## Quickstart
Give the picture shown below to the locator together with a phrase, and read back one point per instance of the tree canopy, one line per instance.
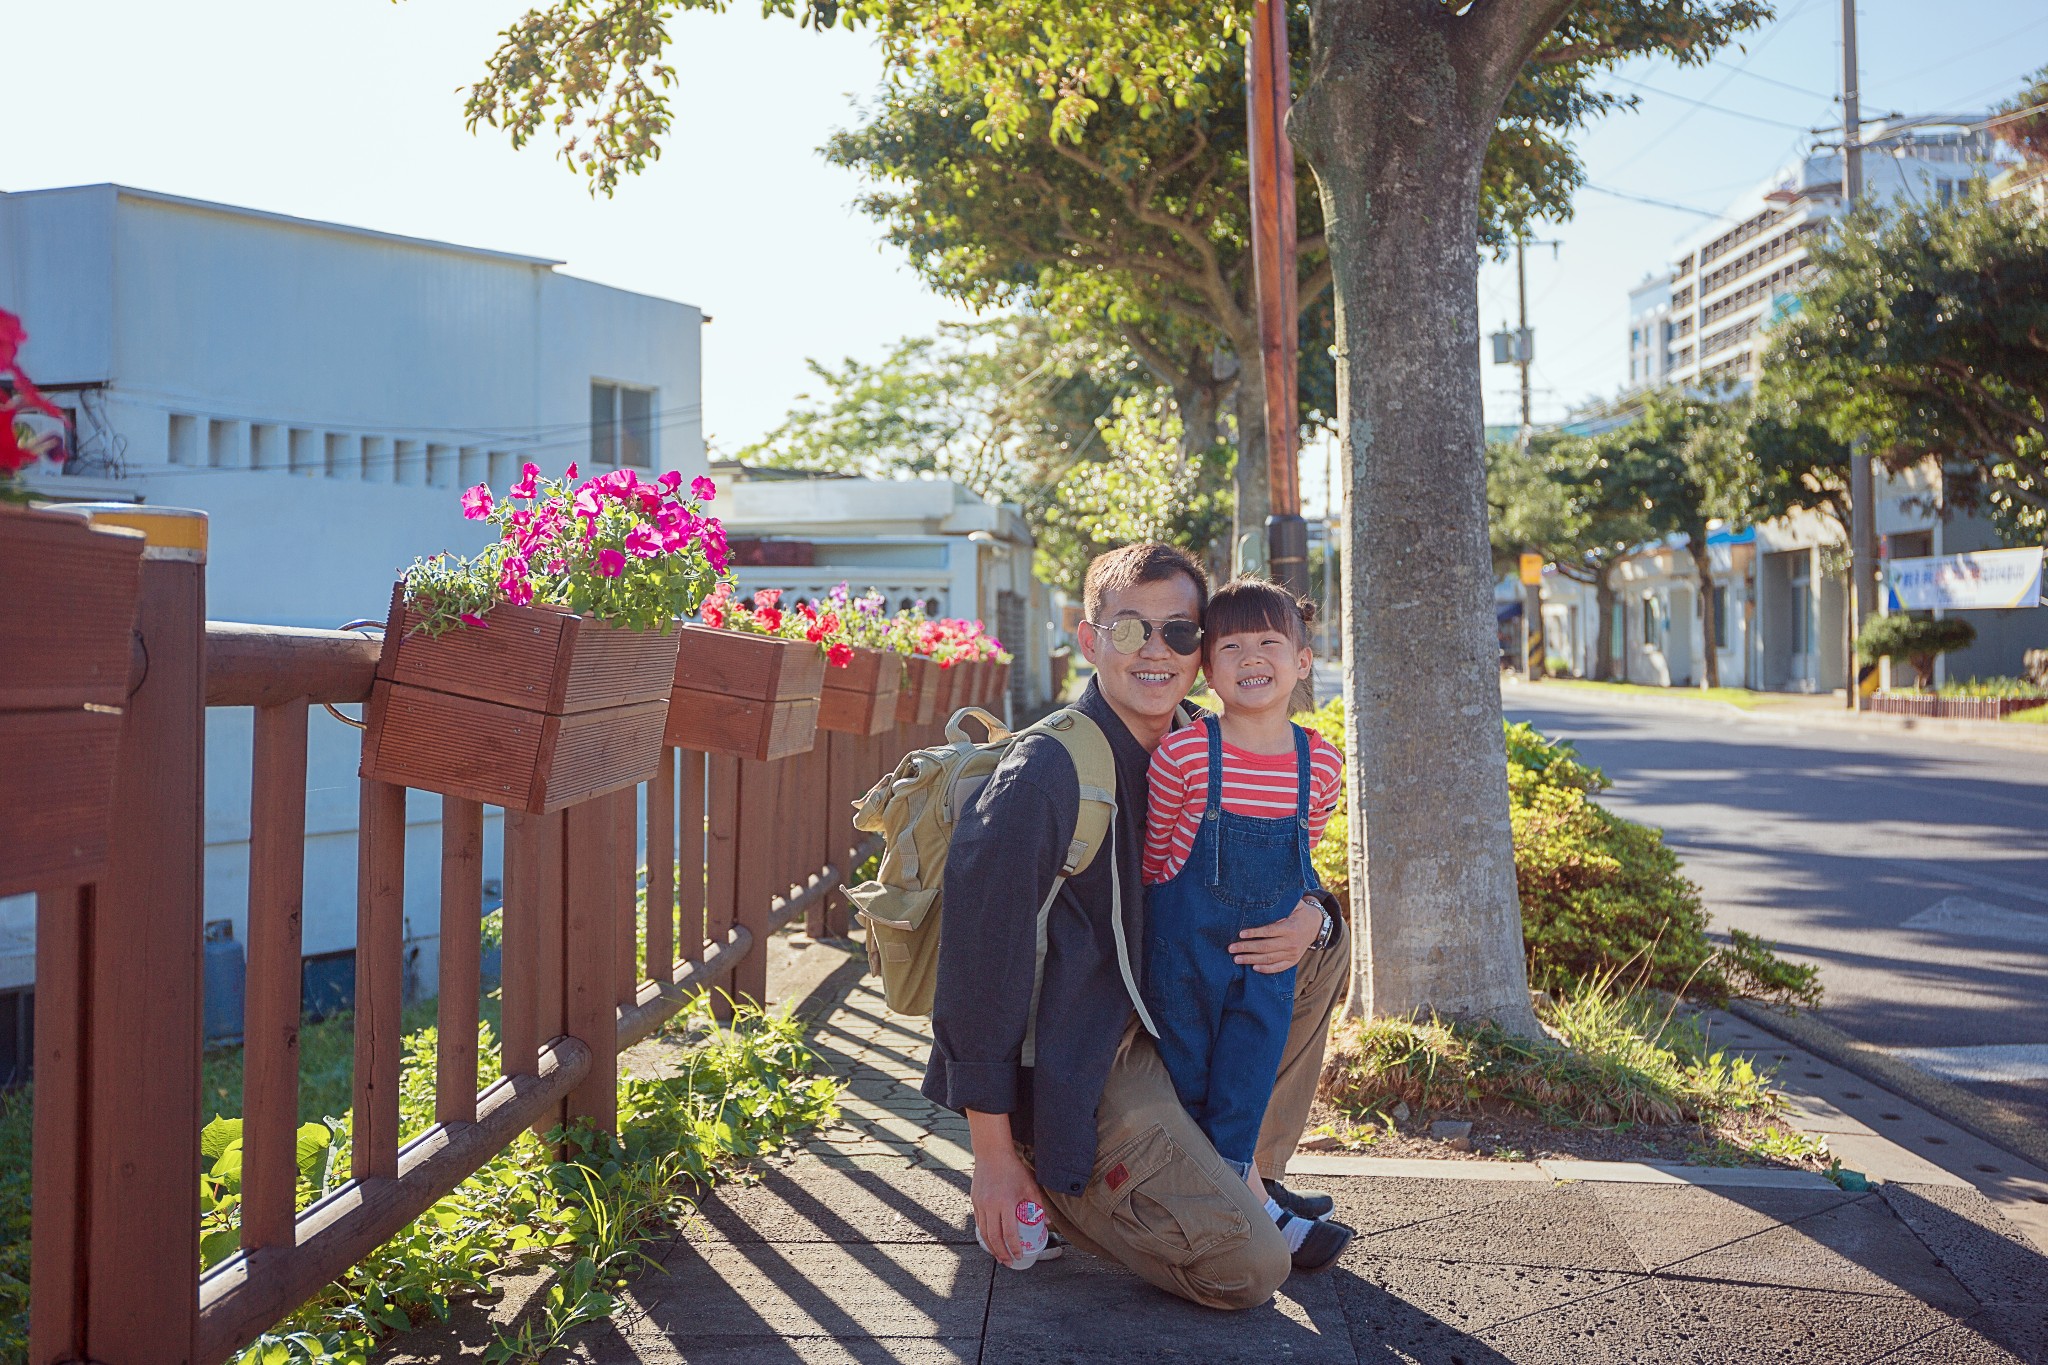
(1924, 333)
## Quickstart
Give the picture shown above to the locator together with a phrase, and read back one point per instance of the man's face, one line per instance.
(1151, 682)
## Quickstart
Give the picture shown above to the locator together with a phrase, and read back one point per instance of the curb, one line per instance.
(1992, 734)
(1550, 1172)
(1992, 1122)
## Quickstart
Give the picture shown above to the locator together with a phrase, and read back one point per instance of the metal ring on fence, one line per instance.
(359, 627)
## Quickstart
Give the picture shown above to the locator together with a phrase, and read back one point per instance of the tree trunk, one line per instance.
(1253, 501)
(1710, 627)
(1396, 143)
(1200, 408)
(1605, 660)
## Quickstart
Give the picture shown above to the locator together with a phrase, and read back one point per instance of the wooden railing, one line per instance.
(734, 849)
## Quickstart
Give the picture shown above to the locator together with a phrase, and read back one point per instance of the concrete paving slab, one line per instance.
(1857, 1248)
(1964, 1232)
(644, 1350)
(1739, 1324)
(1882, 1159)
(872, 1201)
(1472, 1298)
(1982, 1340)
(766, 1292)
(1561, 1226)
(1632, 1325)
(1664, 1225)
(1374, 1207)
(1080, 1308)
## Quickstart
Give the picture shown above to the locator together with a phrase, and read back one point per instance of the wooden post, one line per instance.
(462, 909)
(661, 870)
(625, 809)
(116, 1203)
(589, 959)
(753, 875)
(722, 862)
(690, 856)
(380, 979)
(270, 1027)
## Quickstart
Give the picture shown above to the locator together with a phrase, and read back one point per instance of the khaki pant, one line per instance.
(1161, 1202)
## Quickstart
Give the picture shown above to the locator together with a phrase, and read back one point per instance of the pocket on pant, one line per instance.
(1164, 1203)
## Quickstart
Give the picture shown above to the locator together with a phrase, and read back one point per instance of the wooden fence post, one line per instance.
(588, 954)
(116, 1205)
(755, 858)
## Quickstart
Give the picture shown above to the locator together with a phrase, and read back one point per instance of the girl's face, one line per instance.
(1255, 672)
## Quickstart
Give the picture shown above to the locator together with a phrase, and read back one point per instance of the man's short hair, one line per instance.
(1148, 562)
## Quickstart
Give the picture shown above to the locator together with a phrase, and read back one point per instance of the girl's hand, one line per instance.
(1275, 947)
(1001, 1182)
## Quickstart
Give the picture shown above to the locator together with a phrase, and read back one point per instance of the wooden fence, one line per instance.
(735, 849)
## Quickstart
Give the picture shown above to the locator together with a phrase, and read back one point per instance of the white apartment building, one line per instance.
(1733, 279)
(322, 392)
(1649, 333)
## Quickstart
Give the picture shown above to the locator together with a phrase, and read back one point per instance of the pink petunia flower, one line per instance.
(670, 481)
(470, 618)
(641, 543)
(570, 472)
(610, 563)
(476, 502)
(525, 488)
(702, 489)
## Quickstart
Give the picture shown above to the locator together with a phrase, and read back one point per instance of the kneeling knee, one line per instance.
(1243, 1277)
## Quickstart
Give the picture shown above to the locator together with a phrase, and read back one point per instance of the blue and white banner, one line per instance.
(1983, 580)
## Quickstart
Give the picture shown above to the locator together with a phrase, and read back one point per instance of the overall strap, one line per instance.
(1301, 771)
(1215, 801)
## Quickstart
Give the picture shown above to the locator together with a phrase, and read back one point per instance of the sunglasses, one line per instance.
(1128, 634)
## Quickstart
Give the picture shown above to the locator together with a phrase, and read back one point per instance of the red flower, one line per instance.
(770, 618)
(713, 616)
(840, 655)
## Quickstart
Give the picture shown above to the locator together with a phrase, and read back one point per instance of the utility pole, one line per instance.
(1862, 497)
(1268, 95)
(1533, 649)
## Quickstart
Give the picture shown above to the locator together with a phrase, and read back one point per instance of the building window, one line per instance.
(184, 439)
(227, 445)
(1718, 604)
(302, 451)
(344, 456)
(621, 425)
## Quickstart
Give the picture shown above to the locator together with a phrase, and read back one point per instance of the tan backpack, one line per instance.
(914, 809)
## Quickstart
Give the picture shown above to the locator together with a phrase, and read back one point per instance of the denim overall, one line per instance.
(1222, 1027)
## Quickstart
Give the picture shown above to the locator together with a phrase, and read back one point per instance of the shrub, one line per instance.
(1997, 689)
(1915, 639)
(1600, 894)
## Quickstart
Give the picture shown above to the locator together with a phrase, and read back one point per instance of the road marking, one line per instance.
(1944, 872)
(1975, 919)
(1994, 1062)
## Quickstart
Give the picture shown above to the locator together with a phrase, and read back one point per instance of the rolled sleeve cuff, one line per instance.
(990, 1087)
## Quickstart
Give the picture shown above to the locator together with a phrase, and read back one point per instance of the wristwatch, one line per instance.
(1329, 929)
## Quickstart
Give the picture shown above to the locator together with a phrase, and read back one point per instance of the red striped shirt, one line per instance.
(1262, 785)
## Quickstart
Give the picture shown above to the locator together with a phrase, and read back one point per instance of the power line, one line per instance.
(1717, 108)
(1646, 199)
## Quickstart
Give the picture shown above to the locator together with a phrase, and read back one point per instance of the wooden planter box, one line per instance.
(750, 695)
(952, 690)
(999, 684)
(67, 639)
(1953, 708)
(537, 710)
(860, 699)
(918, 702)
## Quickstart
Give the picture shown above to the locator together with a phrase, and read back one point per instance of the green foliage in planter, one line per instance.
(1914, 639)
(16, 1125)
(1600, 894)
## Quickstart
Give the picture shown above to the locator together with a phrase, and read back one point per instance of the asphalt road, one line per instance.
(1913, 871)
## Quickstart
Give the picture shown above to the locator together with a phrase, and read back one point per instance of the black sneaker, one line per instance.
(1304, 1204)
(1323, 1245)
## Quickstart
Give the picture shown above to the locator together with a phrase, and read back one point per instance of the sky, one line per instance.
(349, 110)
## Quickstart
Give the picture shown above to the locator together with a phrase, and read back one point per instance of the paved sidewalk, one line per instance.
(859, 1249)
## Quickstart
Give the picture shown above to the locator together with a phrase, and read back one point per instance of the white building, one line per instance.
(1650, 331)
(322, 392)
(929, 542)
(1732, 279)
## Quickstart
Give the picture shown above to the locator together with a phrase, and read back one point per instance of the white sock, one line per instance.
(1294, 1229)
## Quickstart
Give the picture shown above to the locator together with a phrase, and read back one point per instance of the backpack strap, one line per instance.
(1095, 769)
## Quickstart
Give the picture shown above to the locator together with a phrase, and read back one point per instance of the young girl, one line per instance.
(1237, 801)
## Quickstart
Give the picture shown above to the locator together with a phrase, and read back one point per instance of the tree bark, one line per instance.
(1396, 133)
(1605, 659)
(1710, 627)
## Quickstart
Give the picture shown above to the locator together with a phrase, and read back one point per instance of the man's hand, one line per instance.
(1001, 1182)
(1275, 947)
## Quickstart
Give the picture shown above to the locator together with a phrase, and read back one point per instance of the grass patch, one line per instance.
(1611, 1060)
(1734, 696)
(2034, 716)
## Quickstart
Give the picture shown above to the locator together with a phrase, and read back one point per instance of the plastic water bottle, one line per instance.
(1032, 1235)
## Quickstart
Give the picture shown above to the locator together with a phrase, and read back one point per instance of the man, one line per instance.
(1090, 1128)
